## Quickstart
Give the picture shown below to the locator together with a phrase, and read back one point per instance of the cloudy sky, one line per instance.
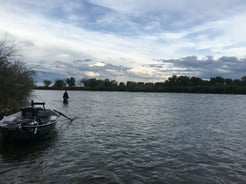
(135, 40)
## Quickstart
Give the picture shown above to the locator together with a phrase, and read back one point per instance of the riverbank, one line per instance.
(172, 89)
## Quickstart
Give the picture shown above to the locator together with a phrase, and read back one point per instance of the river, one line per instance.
(126, 137)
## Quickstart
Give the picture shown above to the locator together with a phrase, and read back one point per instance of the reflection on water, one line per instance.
(135, 138)
(22, 162)
(25, 150)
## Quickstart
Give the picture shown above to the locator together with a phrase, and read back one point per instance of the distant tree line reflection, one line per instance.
(172, 84)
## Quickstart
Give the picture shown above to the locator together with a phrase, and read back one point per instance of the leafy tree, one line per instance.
(114, 83)
(110, 84)
(159, 86)
(122, 86)
(216, 80)
(71, 81)
(243, 79)
(196, 81)
(228, 81)
(171, 81)
(16, 78)
(149, 86)
(236, 82)
(47, 83)
(131, 85)
(140, 86)
(107, 82)
(82, 81)
(100, 84)
(182, 81)
(59, 84)
(91, 83)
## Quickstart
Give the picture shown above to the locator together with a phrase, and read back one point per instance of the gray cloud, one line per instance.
(79, 70)
(171, 15)
(80, 34)
(128, 17)
(227, 67)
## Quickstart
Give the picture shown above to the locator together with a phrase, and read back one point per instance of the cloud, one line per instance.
(120, 39)
(91, 74)
(79, 70)
(206, 67)
(99, 64)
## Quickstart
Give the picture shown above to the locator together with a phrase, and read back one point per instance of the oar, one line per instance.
(63, 115)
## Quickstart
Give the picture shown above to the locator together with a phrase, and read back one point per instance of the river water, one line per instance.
(123, 137)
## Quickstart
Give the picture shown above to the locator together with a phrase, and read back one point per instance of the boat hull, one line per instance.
(27, 133)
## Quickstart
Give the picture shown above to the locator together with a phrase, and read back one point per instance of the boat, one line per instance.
(30, 123)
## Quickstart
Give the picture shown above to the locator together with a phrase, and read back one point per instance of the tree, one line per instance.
(16, 78)
(183, 81)
(149, 86)
(243, 80)
(195, 81)
(59, 84)
(216, 80)
(47, 83)
(70, 81)
(110, 84)
(91, 83)
(228, 81)
(131, 85)
(171, 81)
(122, 86)
(8, 50)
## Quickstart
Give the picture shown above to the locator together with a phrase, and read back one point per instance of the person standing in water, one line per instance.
(65, 97)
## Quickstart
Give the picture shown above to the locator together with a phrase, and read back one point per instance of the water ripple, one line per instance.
(135, 138)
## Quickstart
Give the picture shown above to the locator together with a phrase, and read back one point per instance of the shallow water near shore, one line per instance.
(122, 137)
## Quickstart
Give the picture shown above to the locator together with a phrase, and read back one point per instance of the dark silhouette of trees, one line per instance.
(47, 83)
(122, 86)
(196, 81)
(131, 86)
(90, 83)
(243, 80)
(172, 84)
(149, 86)
(59, 84)
(94, 84)
(216, 81)
(16, 79)
(71, 81)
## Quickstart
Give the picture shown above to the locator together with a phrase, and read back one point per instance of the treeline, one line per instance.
(172, 84)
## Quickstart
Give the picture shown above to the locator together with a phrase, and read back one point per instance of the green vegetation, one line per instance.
(16, 79)
(175, 83)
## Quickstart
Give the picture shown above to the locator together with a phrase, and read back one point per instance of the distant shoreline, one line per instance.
(202, 90)
(174, 84)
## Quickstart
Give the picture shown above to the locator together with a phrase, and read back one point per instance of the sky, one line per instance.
(130, 40)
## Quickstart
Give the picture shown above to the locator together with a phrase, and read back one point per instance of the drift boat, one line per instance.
(30, 123)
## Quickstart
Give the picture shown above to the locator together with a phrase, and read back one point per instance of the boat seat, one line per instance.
(28, 113)
(43, 114)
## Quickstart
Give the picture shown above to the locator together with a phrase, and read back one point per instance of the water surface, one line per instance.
(122, 137)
